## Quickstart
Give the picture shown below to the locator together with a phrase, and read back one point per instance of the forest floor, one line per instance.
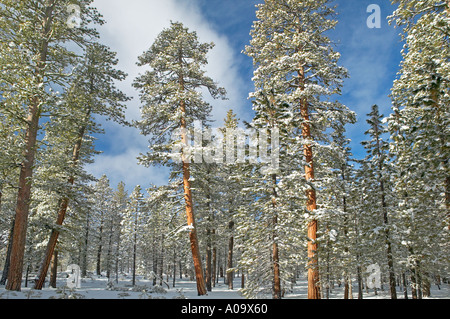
(96, 287)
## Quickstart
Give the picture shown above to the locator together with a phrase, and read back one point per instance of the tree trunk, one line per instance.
(230, 274)
(201, 287)
(208, 261)
(8, 255)
(99, 250)
(133, 282)
(276, 293)
(54, 269)
(155, 259)
(214, 260)
(109, 253)
(26, 167)
(85, 248)
(174, 265)
(405, 287)
(161, 261)
(311, 204)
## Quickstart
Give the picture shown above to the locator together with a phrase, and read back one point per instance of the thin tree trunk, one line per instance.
(85, 248)
(230, 273)
(100, 246)
(155, 259)
(134, 256)
(276, 294)
(117, 257)
(347, 281)
(360, 283)
(54, 269)
(26, 168)
(413, 283)
(208, 261)
(161, 261)
(27, 275)
(214, 260)
(109, 253)
(405, 287)
(174, 265)
(8, 255)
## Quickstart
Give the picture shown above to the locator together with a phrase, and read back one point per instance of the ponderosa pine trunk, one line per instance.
(201, 286)
(311, 204)
(54, 269)
(26, 167)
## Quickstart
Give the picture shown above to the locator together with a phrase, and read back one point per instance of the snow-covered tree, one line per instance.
(172, 100)
(132, 224)
(419, 128)
(34, 57)
(297, 74)
(91, 93)
(377, 185)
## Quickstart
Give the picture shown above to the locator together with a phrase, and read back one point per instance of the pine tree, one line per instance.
(92, 92)
(120, 200)
(172, 101)
(419, 128)
(377, 167)
(33, 59)
(337, 213)
(297, 65)
(132, 226)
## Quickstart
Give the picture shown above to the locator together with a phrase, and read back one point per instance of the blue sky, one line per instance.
(372, 57)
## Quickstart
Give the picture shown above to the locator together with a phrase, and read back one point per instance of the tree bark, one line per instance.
(8, 256)
(230, 274)
(201, 286)
(311, 204)
(100, 246)
(405, 287)
(208, 261)
(85, 248)
(276, 293)
(214, 260)
(54, 269)
(133, 282)
(26, 167)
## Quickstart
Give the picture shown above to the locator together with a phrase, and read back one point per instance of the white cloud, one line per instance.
(130, 29)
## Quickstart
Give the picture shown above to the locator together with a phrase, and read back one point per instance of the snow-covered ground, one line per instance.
(97, 288)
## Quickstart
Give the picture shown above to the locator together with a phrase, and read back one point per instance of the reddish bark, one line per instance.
(311, 205)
